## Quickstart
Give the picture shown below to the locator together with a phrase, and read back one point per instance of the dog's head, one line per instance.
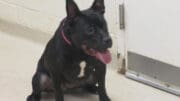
(88, 29)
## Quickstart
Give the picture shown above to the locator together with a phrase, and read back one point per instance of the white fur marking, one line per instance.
(97, 85)
(82, 67)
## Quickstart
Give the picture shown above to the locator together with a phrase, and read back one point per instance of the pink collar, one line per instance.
(63, 35)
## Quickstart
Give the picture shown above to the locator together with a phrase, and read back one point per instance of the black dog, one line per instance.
(77, 54)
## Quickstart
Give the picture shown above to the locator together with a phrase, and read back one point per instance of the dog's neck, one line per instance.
(63, 34)
(63, 42)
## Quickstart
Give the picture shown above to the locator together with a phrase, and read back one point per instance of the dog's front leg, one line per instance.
(100, 74)
(59, 95)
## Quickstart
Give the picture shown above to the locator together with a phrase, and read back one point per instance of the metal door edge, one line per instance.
(154, 73)
(153, 83)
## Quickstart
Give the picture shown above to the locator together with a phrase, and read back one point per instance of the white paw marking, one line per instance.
(82, 67)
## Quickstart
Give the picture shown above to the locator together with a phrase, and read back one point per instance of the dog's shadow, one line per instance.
(73, 95)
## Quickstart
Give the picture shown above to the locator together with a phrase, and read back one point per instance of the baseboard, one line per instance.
(15, 29)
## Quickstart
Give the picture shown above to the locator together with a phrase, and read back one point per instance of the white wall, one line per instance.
(153, 29)
(45, 15)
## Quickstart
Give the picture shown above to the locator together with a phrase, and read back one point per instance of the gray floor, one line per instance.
(18, 59)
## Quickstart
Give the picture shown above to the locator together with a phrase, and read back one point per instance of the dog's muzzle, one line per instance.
(103, 56)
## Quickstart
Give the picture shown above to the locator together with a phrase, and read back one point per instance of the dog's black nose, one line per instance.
(107, 41)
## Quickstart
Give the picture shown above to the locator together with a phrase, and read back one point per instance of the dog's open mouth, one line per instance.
(103, 56)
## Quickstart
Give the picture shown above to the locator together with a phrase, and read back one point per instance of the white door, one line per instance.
(153, 42)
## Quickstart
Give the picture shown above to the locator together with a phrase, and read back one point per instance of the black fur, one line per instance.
(59, 63)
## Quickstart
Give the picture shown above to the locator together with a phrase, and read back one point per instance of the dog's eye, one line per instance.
(91, 29)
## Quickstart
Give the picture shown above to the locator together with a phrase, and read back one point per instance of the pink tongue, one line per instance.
(104, 57)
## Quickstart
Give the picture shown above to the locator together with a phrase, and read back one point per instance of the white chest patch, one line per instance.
(82, 69)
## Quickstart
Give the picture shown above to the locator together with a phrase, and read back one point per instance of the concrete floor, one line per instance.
(18, 59)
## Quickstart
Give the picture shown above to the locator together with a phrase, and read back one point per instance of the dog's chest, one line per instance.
(78, 73)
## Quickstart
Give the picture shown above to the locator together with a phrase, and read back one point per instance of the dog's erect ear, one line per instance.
(72, 9)
(98, 6)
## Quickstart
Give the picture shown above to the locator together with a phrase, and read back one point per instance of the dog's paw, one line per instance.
(29, 98)
(105, 99)
(91, 89)
(32, 98)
